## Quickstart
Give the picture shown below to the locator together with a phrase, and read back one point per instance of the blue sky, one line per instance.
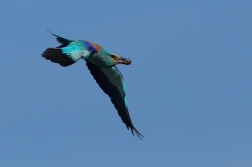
(188, 87)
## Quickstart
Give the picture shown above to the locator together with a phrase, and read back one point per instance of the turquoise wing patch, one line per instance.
(77, 50)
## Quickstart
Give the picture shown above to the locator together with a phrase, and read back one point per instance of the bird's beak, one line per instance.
(123, 60)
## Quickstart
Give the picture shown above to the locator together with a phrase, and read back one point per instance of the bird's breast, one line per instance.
(100, 60)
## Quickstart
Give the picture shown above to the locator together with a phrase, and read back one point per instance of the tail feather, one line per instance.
(61, 39)
(56, 56)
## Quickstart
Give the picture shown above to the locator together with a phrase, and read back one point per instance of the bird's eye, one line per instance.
(113, 56)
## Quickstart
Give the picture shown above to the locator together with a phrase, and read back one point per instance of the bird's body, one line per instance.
(101, 64)
(101, 59)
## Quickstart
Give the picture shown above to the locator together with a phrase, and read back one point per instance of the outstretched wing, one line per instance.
(111, 82)
(69, 52)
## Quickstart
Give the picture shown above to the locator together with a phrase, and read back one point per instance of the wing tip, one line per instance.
(138, 134)
(56, 56)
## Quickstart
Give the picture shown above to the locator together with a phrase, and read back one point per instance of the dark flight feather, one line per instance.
(115, 95)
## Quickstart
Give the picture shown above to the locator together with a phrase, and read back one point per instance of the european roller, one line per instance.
(102, 65)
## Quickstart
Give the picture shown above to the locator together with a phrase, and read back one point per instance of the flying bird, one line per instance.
(101, 64)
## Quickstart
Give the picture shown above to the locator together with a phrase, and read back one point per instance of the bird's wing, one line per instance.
(111, 82)
(69, 52)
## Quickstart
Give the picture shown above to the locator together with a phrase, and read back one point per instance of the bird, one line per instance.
(102, 66)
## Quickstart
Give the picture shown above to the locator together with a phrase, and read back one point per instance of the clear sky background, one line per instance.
(188, 87)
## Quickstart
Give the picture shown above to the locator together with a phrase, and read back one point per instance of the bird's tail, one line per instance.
(60, 39)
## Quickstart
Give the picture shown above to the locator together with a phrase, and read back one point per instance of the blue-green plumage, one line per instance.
(102, 59)
(101, 64)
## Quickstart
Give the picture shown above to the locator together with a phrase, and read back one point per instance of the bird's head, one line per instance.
(110, 59)
(118, 59)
